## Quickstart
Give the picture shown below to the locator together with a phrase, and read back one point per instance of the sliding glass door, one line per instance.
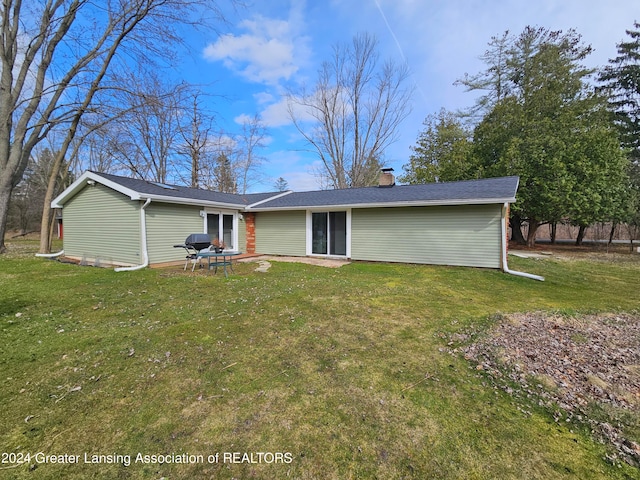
(329, 233)
(221, 225)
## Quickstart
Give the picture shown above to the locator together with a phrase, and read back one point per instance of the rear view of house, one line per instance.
(458, 223)
(130, 222)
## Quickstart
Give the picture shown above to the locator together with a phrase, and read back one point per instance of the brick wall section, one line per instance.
(250, 223)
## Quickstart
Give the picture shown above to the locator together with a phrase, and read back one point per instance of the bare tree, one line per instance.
(195, 130)
(27, 198)
(249, 142)
(145, 140)
(357, 106)
(55, 56)
(97, 154)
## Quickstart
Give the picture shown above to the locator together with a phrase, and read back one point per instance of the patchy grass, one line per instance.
(587, 367)
(347, 370)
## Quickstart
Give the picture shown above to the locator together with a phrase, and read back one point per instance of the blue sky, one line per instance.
(273, 45)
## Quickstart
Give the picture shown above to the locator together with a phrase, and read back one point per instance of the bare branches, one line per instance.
(55, 59)
(357, 106)
(250, 141)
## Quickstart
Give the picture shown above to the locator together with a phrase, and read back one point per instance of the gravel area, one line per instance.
(575, 365)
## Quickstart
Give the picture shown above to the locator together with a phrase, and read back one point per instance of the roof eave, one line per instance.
(417, 203)
(89, 176)
(191, 201)
(83, 181)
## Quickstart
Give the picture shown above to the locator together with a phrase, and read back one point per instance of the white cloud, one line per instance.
(271, 51)
(301, 181)
(243, 118)
(222, 142)
(276, 114)
(298, 170)
(263, 97)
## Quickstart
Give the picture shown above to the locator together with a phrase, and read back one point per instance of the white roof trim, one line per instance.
(82, 182)
(249, 207)
(192, 201)
(88, 176)
(415, 203)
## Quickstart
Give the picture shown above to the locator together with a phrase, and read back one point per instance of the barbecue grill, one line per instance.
(193, 244)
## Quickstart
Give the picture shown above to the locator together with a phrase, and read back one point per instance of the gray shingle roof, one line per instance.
(176, 191)
(489, 190)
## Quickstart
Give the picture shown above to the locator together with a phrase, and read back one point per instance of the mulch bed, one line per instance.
(571, 364)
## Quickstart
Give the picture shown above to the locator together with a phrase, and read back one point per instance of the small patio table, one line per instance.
(215, 260)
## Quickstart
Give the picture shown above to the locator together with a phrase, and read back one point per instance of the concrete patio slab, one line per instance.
(322, 262)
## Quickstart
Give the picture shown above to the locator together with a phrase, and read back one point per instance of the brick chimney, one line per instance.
(387, 179)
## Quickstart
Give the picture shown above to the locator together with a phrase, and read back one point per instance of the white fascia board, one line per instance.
(253, 205)
(418, 203)
(81, 183)
(191, 201)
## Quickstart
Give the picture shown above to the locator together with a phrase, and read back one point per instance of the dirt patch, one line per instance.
(617, 252)
(586, 368)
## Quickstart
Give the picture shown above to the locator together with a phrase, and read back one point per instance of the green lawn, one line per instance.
(345, 372)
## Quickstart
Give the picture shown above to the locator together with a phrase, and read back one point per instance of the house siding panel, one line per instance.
(100, 223)
(454, 235)
(281, 233)
(242, 235)
(169, 225)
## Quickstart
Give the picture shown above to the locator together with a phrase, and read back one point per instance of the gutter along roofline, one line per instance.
(444, 194)
(415, 203)
(189, 201)
(91, 178)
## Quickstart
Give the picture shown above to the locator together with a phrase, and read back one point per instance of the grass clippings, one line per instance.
(587, 365)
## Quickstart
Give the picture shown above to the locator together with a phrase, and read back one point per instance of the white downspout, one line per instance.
(505, 268)
(50, 255)
(145, 252)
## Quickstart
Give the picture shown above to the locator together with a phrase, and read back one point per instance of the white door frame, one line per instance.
(309, 227)
(221, 212)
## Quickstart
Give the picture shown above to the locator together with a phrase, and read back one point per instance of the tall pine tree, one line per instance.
(552, 130)
(442, 152)
(621, 81)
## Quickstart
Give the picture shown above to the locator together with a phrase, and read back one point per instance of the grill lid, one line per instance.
(198, 238)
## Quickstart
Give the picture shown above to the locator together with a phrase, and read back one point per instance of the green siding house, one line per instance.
(128, 222)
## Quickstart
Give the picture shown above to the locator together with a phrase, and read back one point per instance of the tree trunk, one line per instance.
(516, 230)
(45, 239)
(531, 235)
(47, 211)
(52, 227)
(581, 231)
(612, 233)
(554, 231)
(5, 196)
